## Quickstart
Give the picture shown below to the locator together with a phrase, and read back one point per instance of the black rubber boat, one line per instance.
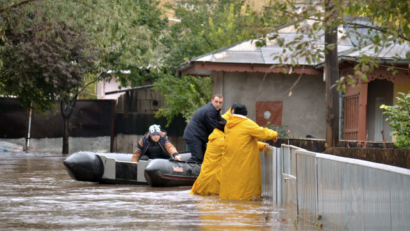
(116, 168)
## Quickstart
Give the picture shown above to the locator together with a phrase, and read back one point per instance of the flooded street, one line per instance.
(36, 193)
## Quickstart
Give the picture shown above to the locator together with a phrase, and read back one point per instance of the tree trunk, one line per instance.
(66, 110)
(66, 146)
(332, 75)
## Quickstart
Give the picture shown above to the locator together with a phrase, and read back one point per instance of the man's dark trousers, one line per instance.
(197, 148)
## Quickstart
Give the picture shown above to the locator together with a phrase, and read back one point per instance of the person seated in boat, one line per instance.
(155, 145)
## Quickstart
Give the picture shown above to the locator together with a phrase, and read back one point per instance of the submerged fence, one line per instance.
(336, 192)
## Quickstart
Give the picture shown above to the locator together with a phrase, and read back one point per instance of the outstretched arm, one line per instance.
(172, 150)
(260, 133)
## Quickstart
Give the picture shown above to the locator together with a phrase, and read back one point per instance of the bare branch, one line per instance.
(16, 5)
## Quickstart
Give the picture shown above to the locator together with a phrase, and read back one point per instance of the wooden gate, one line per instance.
(351, 117)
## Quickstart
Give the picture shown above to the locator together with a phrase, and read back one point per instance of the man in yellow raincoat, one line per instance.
(208, 181)
(241, 167)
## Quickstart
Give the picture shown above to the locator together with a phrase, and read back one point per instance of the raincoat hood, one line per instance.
(235, 120)
(227, 114)
(217, 134)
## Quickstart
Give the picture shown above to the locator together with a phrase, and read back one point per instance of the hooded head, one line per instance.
(240, 109)
(221, 125)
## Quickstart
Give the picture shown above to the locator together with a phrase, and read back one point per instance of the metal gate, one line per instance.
(351, 117)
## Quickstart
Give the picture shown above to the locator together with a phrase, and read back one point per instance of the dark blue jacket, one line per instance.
(202, 123)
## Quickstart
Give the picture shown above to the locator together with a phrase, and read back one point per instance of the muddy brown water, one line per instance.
(36, 193)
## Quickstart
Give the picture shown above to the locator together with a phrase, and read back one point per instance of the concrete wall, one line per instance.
(127, 143)
(55, 145)
(304, 112)
(19, 141)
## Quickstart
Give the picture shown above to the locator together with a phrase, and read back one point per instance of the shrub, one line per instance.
(400, 120)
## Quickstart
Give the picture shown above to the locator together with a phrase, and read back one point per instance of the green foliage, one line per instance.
(89, 92)
(206, 27)
(400, 120)
(389, 25)
(114, 35)
(183, 95)
(282, 130)
(43, 60)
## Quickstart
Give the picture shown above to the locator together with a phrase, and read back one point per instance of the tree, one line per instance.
(44, 60)
(399, 120)
(183, 95)
(126, 32)
(385, 23)
(204, 27)
(49, 47)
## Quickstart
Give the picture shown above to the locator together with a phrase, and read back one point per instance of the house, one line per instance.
(363, 117)
(243, 73)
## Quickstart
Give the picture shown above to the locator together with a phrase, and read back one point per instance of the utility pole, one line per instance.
(332, 75)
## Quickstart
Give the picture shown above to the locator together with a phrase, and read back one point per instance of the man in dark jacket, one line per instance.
(201, 125)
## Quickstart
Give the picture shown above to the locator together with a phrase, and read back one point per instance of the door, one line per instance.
(351, 117)
(269, 111)
(379, 122)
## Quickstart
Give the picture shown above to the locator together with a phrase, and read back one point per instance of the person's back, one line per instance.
(201, 125)
(208, 181)
(198, 127)
(241, 172)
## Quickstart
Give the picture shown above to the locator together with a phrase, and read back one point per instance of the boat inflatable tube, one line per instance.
(117, 168)
(166, 173)
(84, 166)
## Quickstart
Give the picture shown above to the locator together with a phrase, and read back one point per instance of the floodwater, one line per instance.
(36, 193)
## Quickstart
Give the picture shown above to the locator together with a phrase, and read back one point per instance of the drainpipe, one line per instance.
(341, 114)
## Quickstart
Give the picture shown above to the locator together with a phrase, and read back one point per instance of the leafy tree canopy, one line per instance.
(115, 35)
(183, 95)
(204, 27)
(43, 60)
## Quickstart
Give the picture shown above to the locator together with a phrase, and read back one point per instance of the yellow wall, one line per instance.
(256, 5)
(399, 88)
(405, 88)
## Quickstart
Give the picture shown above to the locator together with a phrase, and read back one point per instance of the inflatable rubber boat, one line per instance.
(116, 168)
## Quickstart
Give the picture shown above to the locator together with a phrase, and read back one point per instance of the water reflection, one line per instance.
(37, 193)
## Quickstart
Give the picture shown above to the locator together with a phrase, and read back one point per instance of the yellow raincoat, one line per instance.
(227, 114)
(208, 181)
(241, 167)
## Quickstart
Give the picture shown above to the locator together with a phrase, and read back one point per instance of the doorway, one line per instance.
(379, 92)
